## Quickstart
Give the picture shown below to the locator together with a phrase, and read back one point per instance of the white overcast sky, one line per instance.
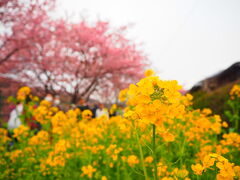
(186, 40)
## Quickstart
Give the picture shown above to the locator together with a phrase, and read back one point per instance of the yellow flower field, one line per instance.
(159, 136)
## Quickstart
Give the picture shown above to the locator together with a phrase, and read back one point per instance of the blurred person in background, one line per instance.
(93, 107)
(57, 103)
(14, 120)
(102, 111)
(82, 105)
(49, 98)
(29, 117)
(72, 106)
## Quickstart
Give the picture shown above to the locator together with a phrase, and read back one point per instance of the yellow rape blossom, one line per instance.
(148, 159)
(197, 169)
(3, 136)
(87, 114)
(103, 178)
(42, 138)
(122, 95)
(149, 72)
(23, 92)
(15, 154)
(21, 132)
(237, 171)
(235, 91)
(168, 137)
(132, 160)
(208, 161)
(88, 171)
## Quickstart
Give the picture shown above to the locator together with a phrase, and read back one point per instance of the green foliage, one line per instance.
(233, 114)
(215, 100)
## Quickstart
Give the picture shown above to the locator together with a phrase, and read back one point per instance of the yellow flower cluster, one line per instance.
(235, 91)
(113, 109)
(87, 114)
(88, 171)
(200, 125)
(158, 102)
(15, 154)
(57, 157)
(226, 169)
(123, 95)
(113, 151)
(176, 173)
(64, 122)
(180, 173)
(148, 159)
(231, 139)
(44, 112)
(41, 139)
(132, 160)
(229, 143)
(21, 132)
(167, 137)
(3, 136)
(23, 93)
(154, 101)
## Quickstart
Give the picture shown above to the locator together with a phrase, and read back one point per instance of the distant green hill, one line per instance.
(215, 100)
(213, 92)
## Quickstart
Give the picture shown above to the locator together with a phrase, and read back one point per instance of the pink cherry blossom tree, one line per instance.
(78, 60)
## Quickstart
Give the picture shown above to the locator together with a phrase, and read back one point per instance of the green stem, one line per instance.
(118, 174)
(154, 151)
(197, 177)
(182, 152)
(141, 156)
(237, 119)
(236, 123)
